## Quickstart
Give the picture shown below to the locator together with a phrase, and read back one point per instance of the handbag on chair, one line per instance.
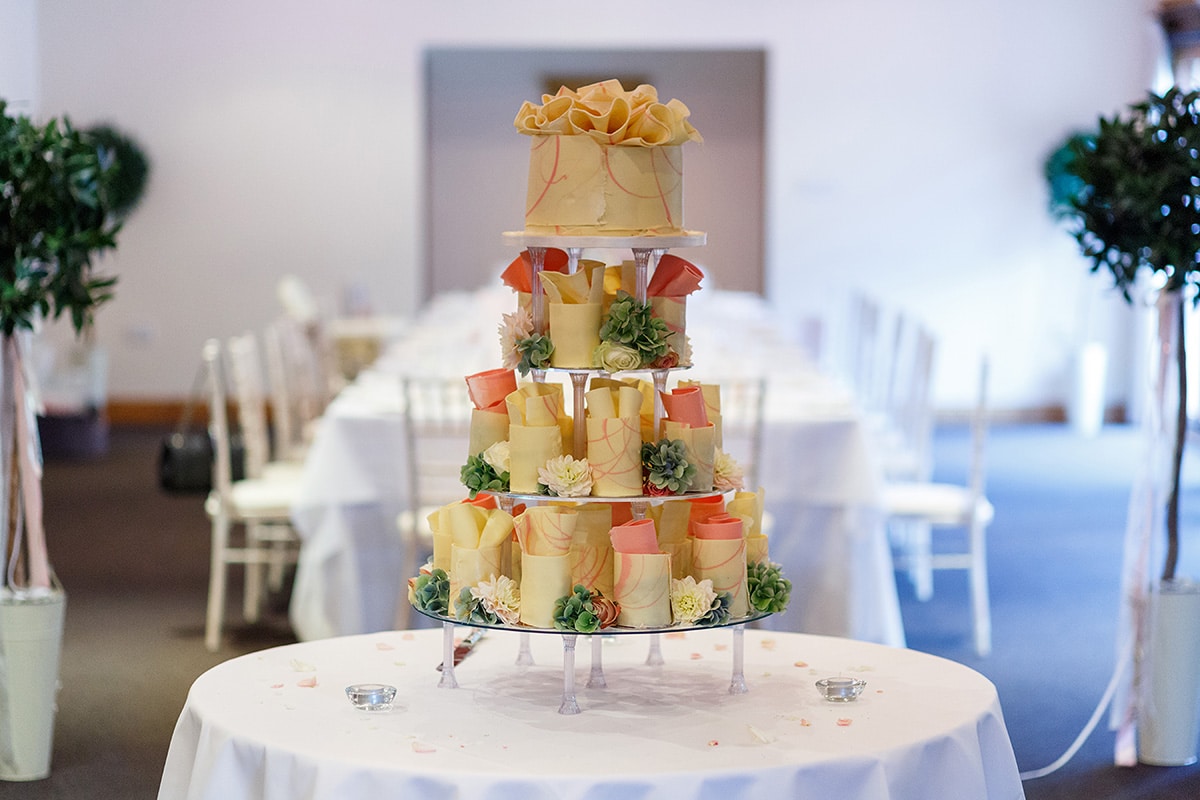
(185, 456)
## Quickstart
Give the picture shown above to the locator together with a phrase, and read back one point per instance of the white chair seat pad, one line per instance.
(257, 499)
(943, 503)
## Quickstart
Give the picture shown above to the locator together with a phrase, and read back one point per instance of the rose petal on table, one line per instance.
(768, 644)
(696, 656)
(801, 664)
(805, 723)
(307, 683)
(713, 743)
(844, 721)
(383, 646)
(421, 747)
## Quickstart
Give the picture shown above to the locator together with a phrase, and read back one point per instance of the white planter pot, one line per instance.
(30, 643)
(1169, 708)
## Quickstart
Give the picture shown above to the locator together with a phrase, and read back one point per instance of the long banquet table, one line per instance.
(817, 468)
(277, 724)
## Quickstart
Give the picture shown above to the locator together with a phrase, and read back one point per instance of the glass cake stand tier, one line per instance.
(596, 679)
(681, 239)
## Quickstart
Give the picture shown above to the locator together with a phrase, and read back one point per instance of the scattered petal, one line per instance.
(720, 648)
(383, 646)
(421, 747)
(673, 635)
(768, 644)
(713, 743)
(696, 656)
(805, 723)
(276, 685)
(307, 683)
(302, 666)
(844, 721)
(801, 664)
(759, 735)
(408, 637)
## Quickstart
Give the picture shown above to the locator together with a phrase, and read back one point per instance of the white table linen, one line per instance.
(277, 724)
(820, 478)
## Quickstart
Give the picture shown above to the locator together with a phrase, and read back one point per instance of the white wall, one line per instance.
(18, 56)
(904, 148)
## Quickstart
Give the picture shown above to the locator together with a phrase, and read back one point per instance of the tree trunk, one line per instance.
(1181, 423)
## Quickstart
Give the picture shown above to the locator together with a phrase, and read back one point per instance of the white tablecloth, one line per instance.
(256, 728)
(820, 478)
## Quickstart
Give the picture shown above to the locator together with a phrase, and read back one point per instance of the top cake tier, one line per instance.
(605, 162)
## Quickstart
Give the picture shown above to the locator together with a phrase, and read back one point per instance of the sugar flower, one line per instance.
(727, 473)
(691, 601)
(613, 357)
(497, 457)
(513, 328)
(566, 477)
(500, 598)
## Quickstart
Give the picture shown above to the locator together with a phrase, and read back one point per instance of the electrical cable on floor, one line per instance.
(1118, 671)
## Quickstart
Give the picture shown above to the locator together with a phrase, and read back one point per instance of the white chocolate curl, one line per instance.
(609, 114)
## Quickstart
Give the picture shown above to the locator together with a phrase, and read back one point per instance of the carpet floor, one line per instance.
(134, 562)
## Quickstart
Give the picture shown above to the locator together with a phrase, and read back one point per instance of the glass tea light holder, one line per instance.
(840, 690)
(371, 696)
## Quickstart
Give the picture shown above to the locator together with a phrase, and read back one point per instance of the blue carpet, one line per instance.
(1055, 564)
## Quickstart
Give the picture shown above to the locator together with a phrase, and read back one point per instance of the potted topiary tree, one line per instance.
(55, 217)
(1130, 195)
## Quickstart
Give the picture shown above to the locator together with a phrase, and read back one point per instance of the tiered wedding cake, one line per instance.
(625, 511)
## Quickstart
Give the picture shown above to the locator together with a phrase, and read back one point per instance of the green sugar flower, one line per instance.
(535, 353)
(665, 467)
(634, 325)
(431, 592)
(574, 613)
(480, 476)
(767, 588)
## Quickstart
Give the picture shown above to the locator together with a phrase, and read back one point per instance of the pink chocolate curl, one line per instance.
(519, 274)
(686, 406)
(718, 526)
(674, 277)
(637, 536)
(488, 389)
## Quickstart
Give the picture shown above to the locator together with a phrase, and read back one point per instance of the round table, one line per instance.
(277, 724)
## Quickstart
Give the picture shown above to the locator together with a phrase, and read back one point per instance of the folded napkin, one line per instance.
(518, 275)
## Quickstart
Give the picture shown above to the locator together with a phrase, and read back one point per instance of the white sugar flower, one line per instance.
(566, 477)
(690, 600)
(513, 328)
(501, 597)
(727, 473)
(497, 457)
